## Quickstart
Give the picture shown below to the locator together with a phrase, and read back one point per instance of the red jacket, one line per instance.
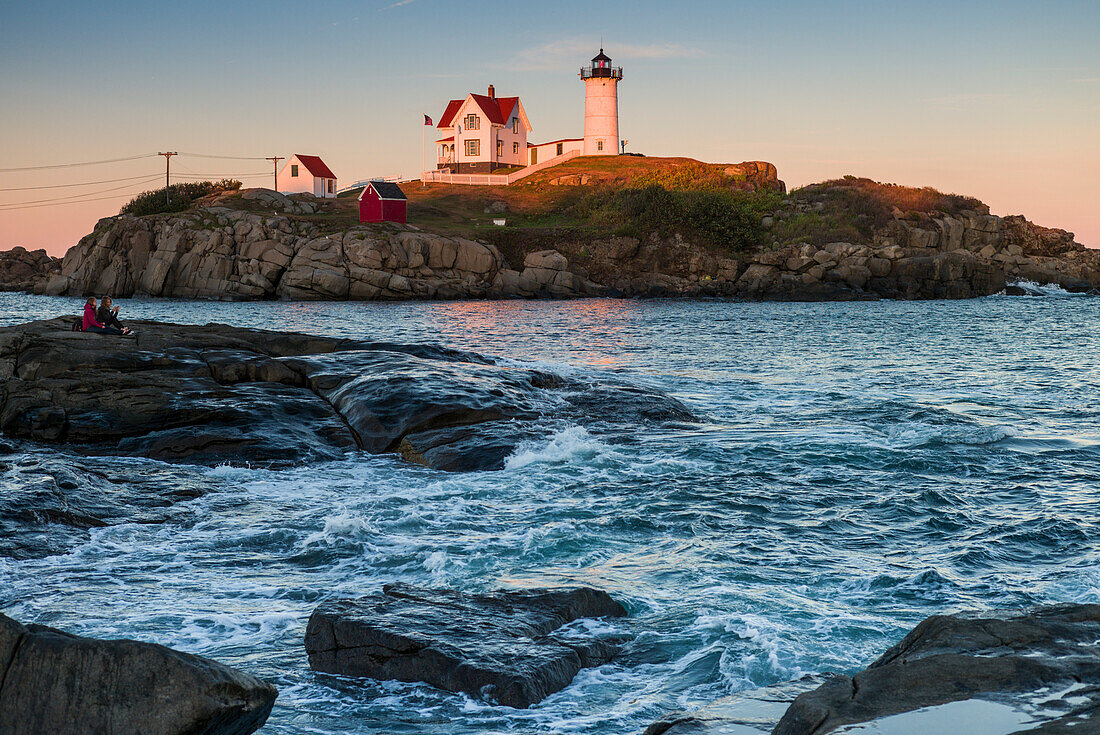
(89, 317)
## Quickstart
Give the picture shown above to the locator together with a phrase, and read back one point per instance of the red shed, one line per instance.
(382, 201)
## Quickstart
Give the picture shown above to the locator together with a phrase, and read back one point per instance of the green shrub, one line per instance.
(722, 218)
(180, 197)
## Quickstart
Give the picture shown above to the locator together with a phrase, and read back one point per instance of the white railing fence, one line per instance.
(446, 177)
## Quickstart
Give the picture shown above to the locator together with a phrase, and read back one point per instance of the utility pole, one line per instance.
(167, 158)
(275, 160)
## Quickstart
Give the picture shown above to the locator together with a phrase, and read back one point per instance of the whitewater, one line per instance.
(855, 467)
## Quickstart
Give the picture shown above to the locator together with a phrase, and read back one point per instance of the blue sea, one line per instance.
(855, 468)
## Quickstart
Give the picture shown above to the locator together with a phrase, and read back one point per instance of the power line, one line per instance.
(85, 183)
(71, 165)
(75, 196)
(116, 197)
(232, 158)
(190, 175)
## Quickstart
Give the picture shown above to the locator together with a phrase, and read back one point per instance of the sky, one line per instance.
(998, 100)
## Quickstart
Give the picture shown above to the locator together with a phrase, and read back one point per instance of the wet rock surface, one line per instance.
(213, 393)
(54, 683)
(738, 714)
(509, 647)
(1045, 662)
(49, 502)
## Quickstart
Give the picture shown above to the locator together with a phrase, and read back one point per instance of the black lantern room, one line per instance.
(601, 67)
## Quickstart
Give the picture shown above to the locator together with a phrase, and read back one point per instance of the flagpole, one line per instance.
(423, 155)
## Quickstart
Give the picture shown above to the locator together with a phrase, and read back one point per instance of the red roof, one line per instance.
(497, 109)
(315, 166)
(448, 139)
(449, 113)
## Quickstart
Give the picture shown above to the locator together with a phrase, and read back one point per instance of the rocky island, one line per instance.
(610, 227)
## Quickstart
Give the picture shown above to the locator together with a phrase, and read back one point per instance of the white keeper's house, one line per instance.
(482, 133)
(307, 175)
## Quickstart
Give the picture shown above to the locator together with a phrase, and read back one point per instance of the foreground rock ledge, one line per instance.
(950, 658)
(1043, 664)
(53, 683)
(505, 646)
(208, 394)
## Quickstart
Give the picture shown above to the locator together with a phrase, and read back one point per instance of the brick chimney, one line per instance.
(492, 92)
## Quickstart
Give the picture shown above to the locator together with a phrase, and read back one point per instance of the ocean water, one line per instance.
(856, 467)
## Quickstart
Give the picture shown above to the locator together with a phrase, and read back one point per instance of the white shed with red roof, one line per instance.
(307, 175)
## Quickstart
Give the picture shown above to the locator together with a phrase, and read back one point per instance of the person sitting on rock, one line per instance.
(108, 316)
(90, 323)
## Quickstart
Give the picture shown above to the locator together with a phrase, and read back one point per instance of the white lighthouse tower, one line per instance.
(601, 106)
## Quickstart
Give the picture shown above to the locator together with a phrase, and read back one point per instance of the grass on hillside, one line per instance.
(625, 195)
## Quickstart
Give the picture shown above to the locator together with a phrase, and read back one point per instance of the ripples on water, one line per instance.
(859, 467)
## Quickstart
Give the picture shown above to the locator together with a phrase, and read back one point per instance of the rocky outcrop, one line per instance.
(914, 256)
(506, 646)
(214, 393)
(214, 252)
(545, 273)
(26, 270)
(54, 683)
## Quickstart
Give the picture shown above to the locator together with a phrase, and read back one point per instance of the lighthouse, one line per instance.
(601, 106)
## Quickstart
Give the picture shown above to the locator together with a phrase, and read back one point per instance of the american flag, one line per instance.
(427, 120)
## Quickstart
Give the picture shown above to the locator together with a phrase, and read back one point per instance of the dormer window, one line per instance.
(473, 122)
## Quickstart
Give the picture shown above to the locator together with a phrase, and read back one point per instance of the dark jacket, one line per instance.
(107, 318)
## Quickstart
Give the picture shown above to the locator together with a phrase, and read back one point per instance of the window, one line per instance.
(294, 171)
(500, 147)
(473, 147)
(561, 147)
(331, 185)
(473, 122)
(599, 145)
(515, 148)
(515, 125)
